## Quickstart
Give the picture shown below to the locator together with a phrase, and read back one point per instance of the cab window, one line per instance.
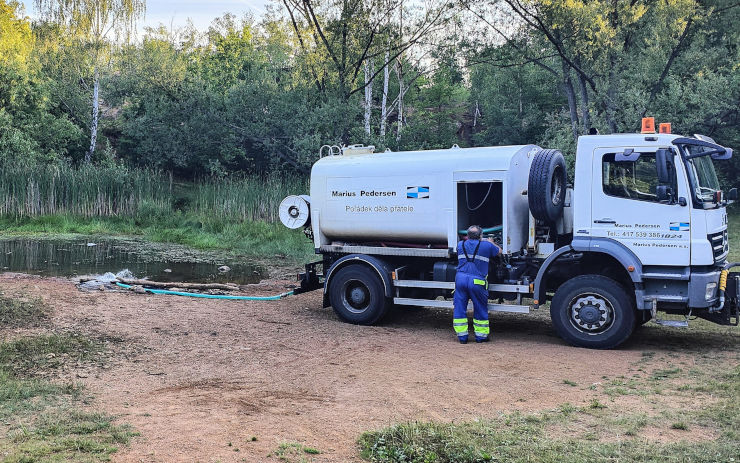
(632, 180)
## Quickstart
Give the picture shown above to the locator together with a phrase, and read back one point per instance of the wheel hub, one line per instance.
(357, 296)
(591, 314)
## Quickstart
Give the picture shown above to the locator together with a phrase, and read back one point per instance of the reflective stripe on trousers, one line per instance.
(481, 327)
(461, 326)
(467, 289)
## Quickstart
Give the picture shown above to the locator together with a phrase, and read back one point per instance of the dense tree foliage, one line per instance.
(255, 95)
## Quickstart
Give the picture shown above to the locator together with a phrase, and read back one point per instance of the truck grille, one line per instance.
(720, 245)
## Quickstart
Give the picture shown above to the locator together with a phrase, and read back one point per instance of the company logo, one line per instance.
(679, 226)
(417, 192)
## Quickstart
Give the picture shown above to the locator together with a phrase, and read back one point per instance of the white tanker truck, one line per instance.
(643, 229)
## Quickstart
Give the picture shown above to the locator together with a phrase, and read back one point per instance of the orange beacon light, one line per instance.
(664, 127)
(648, 125)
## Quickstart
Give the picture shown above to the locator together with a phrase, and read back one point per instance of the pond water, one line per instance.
(94, 256)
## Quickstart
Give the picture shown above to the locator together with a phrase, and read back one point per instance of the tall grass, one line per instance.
(245, 198)
(115, 191)
(87, 191)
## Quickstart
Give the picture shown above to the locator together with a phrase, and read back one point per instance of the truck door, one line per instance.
(625, 206)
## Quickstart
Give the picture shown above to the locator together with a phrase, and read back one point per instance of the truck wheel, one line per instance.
(547, 185)
(357, 295)
(593, 311)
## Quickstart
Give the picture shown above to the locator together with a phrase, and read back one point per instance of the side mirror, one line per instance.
(664, 193)
(664, 164)
(732, 194)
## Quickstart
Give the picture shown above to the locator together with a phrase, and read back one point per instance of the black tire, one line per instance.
(547, 185)
(607, 305)
(357, 295)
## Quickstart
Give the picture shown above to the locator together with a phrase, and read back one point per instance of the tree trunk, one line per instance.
(95, 117)
(572, 105)
(611, 96)
(399, 73)
(384, 100)
(368, 95)
(611, 91)
(585, 115)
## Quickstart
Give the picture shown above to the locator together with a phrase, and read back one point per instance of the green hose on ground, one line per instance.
(212, 296)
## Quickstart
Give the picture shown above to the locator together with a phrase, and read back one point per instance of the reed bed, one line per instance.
(245, 198)
(87, 191)
(117, 191)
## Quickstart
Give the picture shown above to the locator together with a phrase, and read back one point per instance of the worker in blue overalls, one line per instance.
(471, 282)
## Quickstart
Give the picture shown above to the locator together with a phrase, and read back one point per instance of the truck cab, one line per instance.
(648, 214)
(639, 229)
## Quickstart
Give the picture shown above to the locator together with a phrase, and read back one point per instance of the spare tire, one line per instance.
(547, 185)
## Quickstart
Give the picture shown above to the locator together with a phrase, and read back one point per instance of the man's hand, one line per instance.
(490, 240)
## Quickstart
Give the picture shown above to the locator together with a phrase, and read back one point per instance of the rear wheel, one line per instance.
(357, 295)
(593, 311)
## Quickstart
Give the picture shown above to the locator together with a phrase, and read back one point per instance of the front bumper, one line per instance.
(727, 310)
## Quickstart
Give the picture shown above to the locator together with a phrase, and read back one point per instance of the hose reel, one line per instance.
(295, 211)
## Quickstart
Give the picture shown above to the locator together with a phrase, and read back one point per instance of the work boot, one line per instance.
(462, 339)
(486, 339)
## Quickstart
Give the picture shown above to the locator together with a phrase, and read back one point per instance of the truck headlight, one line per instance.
(711, 290)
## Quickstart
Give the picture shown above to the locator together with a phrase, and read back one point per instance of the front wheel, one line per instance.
(593, 311)
(357, 295)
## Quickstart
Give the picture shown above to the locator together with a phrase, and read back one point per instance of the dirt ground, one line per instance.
(203, 377)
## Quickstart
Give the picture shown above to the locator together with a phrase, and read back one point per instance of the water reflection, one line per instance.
(89, 257)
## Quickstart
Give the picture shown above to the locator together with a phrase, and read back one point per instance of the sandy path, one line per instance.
(213, 372)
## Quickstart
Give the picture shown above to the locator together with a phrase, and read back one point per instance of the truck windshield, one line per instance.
(704, 177)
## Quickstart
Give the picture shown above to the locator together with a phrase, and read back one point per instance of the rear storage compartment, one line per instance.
(481, 203)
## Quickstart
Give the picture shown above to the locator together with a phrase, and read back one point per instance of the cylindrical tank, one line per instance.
(419, 196)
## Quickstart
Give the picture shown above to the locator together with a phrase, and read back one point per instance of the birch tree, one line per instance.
(384, 97)
(368, 102)
(95, 23)
(346, 34)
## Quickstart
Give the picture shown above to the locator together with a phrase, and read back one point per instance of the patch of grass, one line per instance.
(596, 405)
(294, 452)
(513, 438)
(665, 373)
(41, 420)
(27, 357)
(19, 311)
(570, 383)
(680, 425)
